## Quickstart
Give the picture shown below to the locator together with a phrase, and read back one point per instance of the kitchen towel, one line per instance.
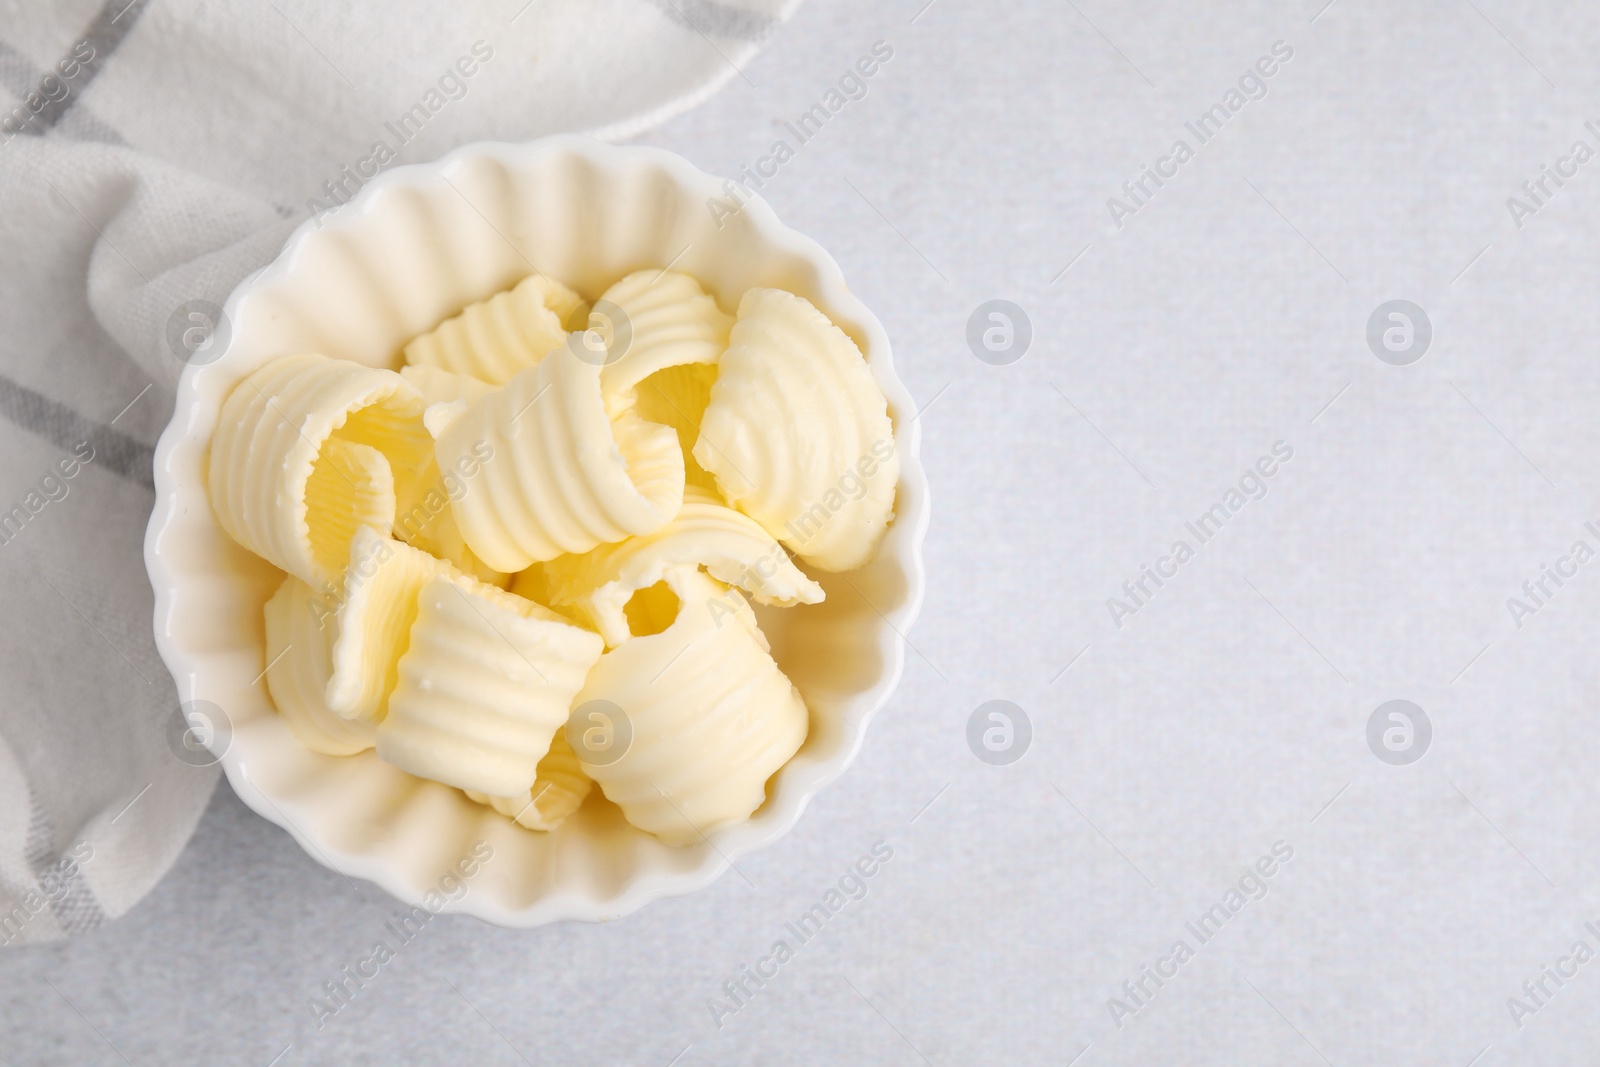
(152, 154)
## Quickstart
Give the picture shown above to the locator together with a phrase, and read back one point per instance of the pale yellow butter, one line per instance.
(496, 338)
(732, 547)
(798, 435)
(711, 716)
(485, 682)
(377, 605)
(301, 627)
(563, 477)
(641, 477)
(270, 433)
(666, 320)
(558, 791)
(440, 386)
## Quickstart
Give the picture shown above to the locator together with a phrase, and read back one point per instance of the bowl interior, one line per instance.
(417, 245)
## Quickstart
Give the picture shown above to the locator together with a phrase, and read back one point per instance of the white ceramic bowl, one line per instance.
(413, 247)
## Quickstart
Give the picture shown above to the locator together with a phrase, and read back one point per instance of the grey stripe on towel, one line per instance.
(74, 904)
(65, 428)
(719, 20)
(104, 34)
(18, 75)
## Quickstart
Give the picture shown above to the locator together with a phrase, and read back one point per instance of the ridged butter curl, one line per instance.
(564, 476)
(559, 790)
(667, 320)
(731, 546)
(797, 433)
(376, 607)
(495, 339)
(485, 683)
(301, 628)
(710, 714)
(270, 434)
(439, 386)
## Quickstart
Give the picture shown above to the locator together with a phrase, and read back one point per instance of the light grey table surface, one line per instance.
(1229, 713)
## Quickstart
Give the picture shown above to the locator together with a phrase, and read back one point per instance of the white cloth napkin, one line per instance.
(153, 153)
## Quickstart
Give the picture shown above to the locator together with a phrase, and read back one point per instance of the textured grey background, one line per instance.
(1228, 714)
